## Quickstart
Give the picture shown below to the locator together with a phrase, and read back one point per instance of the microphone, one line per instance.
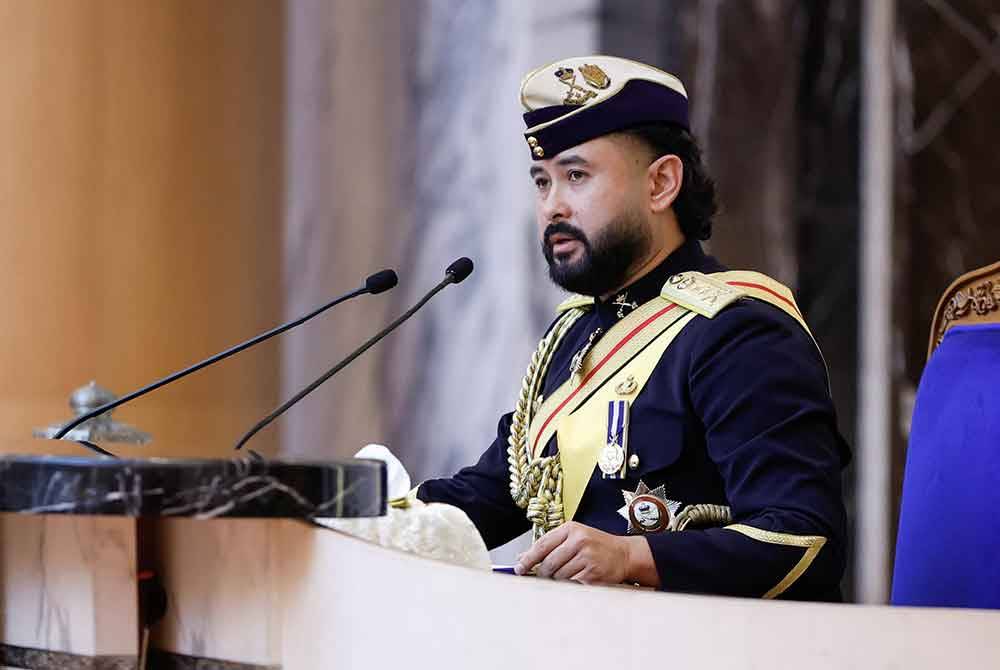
(380, 282)
(454, 274)
(377, 283)
(459, 270)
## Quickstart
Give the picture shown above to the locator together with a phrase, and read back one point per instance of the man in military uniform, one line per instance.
(675, 427)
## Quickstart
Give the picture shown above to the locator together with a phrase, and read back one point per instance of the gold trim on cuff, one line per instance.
(406, 501)
(811, 543)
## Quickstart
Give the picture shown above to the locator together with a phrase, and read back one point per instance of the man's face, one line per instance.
(591, 216)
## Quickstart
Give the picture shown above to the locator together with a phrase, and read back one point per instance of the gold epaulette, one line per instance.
(710, 294)
(574, 301)
(700, 293)
(972, 298)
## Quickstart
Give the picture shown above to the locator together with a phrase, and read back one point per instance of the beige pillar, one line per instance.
(875, 538)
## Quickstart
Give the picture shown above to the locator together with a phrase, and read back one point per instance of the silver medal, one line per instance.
(611, 459)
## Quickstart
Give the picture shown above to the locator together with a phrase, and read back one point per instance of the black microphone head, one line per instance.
(383, 280)
(459, 270)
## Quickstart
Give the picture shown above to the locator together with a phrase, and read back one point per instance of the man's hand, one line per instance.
(590, 556)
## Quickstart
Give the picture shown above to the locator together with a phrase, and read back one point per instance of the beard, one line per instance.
(606, 260)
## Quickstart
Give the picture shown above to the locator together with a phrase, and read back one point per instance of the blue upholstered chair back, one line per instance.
(948, 547)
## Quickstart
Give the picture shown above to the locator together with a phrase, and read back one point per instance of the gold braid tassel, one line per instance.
(545, 509)
(536, 484)
(702, 515)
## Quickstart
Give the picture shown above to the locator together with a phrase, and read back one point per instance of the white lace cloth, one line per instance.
(435, 531)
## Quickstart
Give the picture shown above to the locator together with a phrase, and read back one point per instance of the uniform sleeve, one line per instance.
(482, 491)
(759, 386)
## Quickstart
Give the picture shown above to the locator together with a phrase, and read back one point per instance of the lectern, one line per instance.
(252, 583)
(77, 535)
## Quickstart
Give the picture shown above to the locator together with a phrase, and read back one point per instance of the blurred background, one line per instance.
(178, 175)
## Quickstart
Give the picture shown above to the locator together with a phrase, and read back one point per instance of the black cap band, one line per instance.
(639, 101)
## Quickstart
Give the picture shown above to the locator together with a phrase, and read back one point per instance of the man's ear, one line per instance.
(666, 174)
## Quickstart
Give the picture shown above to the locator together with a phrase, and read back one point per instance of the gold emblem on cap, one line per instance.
(595, 76)
(576, 95)
(538, 152)
(532, 141)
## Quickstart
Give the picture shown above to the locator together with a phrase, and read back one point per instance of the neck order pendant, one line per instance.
(576, 363)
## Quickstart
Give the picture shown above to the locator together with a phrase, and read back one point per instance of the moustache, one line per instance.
(565, 229)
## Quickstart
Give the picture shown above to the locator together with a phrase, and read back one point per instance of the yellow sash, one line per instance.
(624, 359)
(622, 342)
(581, 434)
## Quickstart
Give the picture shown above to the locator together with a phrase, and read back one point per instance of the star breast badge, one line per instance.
(648, 511)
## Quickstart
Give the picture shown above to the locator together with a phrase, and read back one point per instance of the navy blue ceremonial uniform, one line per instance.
(737, 413)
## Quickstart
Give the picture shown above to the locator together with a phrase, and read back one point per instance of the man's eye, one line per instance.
(575, 175)
(541, 183)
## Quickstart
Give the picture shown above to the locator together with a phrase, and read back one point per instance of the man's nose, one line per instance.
(554, 206)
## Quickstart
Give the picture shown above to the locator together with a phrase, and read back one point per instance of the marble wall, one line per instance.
(346, 102)
(409, 161)
(457, 368)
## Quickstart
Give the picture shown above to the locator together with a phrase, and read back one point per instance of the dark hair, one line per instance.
(696, 203)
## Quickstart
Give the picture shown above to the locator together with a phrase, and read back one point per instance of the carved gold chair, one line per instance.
(948, 546)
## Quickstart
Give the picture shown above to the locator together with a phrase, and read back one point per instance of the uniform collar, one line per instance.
(688, 256)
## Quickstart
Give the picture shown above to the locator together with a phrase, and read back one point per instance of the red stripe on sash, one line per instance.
(764, 288)
(635, 331)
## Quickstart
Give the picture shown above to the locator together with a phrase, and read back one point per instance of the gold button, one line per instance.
(633, 461)
(532, 142)
(627, 386)
(539, 152)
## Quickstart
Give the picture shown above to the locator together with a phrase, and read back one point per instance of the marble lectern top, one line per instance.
(156, 487)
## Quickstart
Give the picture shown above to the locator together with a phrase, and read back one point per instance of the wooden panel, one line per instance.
(67, 584)
(140, 205)
(223, 595)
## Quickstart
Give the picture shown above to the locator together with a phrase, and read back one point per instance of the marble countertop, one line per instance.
(204, 488)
